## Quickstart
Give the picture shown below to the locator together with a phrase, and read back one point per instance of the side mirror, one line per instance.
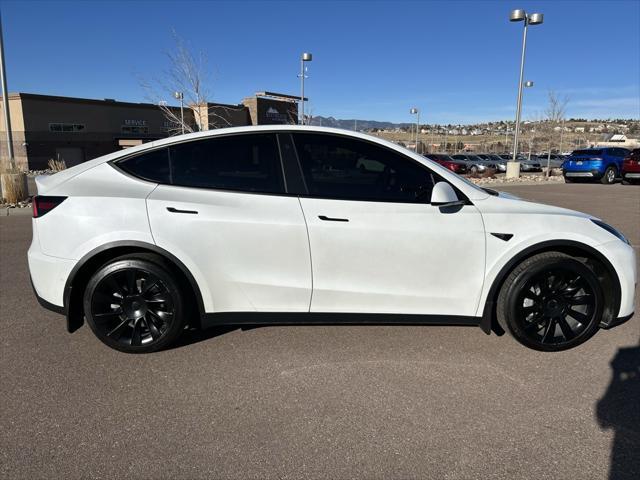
(443, 195)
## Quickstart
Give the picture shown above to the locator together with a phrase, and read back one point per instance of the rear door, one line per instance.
(377, 245)
(223, 210)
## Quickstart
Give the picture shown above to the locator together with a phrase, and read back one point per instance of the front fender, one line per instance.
(507, 262)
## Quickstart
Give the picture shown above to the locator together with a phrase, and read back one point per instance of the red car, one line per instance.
(448, 162)
(631, 167)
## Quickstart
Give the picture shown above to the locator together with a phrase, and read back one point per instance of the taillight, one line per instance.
(43, 204)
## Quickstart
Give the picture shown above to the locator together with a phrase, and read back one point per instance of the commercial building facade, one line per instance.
(74, 130)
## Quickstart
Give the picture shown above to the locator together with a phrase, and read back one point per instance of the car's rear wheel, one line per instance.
(609, 175)
(569, 180)
(134, 305)
(551, 302)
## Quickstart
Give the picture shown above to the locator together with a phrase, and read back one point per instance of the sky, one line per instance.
(457, 61)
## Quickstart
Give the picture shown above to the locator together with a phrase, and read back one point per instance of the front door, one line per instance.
(377, 245)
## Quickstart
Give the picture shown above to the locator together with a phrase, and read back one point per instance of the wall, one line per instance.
(17, 130)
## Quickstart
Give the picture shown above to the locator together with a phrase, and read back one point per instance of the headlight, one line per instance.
(611, 230)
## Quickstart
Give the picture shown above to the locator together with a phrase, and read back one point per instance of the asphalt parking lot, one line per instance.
(318, 401)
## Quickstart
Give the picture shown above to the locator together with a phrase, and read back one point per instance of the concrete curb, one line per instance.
(15, 212)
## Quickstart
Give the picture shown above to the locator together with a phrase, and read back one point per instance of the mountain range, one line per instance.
(353, 123)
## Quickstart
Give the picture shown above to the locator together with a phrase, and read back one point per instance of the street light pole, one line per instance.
(533, 19)
(415, 111)
(520, 86)
(5, 103)
(180, 96)
(306, 57)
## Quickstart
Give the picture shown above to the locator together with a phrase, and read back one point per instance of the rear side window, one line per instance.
(152, 166)
(239, 162)
(236, 162)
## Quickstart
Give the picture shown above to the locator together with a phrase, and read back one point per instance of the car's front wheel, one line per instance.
(551, 302)
(133, 304)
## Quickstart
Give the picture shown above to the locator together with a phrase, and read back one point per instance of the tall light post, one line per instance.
(306, 57)
(5, 103)
(180, 96)
(415, 111)
(529, 19)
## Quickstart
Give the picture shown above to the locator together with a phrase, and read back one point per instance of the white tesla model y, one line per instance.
(291, 224)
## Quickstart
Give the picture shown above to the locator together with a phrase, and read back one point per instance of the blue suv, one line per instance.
(604, 164)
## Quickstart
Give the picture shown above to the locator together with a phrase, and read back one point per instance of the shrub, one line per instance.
(57, 165)
(13, 187)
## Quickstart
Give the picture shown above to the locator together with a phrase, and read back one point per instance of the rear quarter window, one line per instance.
(152, 166)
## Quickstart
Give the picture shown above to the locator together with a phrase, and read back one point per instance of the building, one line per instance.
(46, 127)
(619, 140)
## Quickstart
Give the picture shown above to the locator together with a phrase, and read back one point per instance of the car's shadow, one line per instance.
(196, 335)
(619, 410)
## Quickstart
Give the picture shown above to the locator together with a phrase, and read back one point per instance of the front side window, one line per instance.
(352, 169)
(236, 162)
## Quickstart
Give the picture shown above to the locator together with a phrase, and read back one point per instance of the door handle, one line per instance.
(331, 219)
(176, 210)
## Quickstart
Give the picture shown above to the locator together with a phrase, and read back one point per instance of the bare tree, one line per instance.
(555, 113)
(187, 73)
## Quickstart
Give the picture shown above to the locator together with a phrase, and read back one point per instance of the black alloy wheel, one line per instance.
(551, 302)
(134, 305)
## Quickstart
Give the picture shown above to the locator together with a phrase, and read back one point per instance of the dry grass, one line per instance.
(13, 190)
(57, 165)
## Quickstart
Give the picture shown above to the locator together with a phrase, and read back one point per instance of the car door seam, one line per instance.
(306, 224)
(146, 206)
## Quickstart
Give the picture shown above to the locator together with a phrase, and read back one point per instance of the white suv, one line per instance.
(289, 224)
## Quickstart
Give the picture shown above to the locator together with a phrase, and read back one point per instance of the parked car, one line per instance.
(487, 159)
(473, 162)
(526, 164)
(500, 163)
(494, 160)
(555, 160)
(448, 162)
(529, 163)
(601, 163)
(284, 224)
(631, 167)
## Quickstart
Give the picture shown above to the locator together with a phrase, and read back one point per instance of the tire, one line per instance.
(609, 175)
(550, 302)
(568, 180)
(146, 320)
